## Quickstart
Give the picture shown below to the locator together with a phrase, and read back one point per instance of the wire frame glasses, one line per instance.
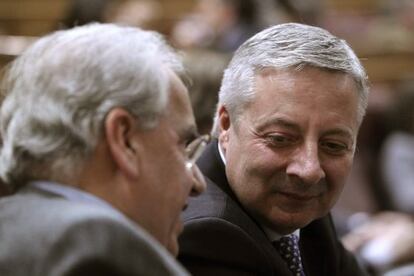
(195, 149)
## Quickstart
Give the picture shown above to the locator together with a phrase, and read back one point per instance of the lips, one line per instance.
(297, 196)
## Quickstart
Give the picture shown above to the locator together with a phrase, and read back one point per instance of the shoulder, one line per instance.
(219, 235)
(212, 245)
(323, 252)
(101, 240)
(215, 235)
(73, 238)
(216, 206)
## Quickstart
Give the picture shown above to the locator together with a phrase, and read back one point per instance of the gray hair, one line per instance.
(286, 46)
(60, 90)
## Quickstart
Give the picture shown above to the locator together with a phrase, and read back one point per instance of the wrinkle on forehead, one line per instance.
(283, 94)
(273, 74)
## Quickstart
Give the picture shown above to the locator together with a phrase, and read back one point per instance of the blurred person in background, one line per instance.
(385, 240)
(220, 25)
(308, 12)
(95, 127)
(384, 243)
(397, 154)
(223, 25)
(81, 12)
(290, 106)
(205, 69)
(137, 13)
(393, 29)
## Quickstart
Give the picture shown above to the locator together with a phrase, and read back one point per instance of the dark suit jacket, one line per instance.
(44, 234)
(220, 238)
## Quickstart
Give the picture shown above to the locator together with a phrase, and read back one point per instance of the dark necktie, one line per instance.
(288, 247)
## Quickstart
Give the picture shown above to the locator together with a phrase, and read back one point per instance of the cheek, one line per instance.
(179, 187)
(174, 170)
(175, 182)
(255, 157)
(336, 177)
(264, 166)
(251, 176)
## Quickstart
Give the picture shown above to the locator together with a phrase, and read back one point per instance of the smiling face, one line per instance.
(290, 152)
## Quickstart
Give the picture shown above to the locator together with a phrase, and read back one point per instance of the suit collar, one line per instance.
(53, 189)
(212, 166)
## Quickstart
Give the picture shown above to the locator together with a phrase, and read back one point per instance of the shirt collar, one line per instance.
(223, 158)
(70, 193)
(274, 236)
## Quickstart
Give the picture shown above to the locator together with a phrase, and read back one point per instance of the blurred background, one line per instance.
(207, 32)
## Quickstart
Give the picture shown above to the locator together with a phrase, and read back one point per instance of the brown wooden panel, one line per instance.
(28, 27)
(176, 9)
(33, 10)
(390, 67)
(31, 17)
(352, 5)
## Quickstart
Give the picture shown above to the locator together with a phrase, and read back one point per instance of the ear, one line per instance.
(121, 130)
(224, 124)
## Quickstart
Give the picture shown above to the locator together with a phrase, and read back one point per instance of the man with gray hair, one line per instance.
(96, 128)
(290, 106)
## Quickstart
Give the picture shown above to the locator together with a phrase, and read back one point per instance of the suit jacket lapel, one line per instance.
(212, 167)
(317, 237)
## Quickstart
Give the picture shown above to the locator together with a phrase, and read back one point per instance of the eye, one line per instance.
(334, 147)
(195, 148)
(185, 141)
(279, 140)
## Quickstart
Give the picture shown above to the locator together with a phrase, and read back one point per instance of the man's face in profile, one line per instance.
(166, 179)
(288, 157)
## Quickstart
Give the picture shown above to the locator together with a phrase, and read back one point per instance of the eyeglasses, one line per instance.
(195, 149)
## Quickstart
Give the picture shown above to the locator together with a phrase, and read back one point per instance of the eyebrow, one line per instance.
(188, 133)
(278, 121)
(341, 132)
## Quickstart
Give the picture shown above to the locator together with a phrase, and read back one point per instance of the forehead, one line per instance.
(301, 95)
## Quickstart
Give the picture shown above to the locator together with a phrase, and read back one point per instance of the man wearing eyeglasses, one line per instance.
(95, 128)
(290, 106)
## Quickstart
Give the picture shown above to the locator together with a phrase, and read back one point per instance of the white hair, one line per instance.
(59, 91)
(286, 46)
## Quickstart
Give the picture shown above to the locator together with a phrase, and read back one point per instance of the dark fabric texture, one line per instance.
(221, 238)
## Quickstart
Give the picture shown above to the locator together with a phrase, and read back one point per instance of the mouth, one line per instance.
(298, 197)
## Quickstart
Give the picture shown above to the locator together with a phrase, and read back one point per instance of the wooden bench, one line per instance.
(30, 17)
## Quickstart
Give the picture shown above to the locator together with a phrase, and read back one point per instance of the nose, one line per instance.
(198, 181)
(305, 164)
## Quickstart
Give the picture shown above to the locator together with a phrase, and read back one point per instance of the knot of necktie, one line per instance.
(288, 247)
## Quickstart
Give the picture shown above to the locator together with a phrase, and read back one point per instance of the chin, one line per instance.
(287, 223)
(173, 247)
